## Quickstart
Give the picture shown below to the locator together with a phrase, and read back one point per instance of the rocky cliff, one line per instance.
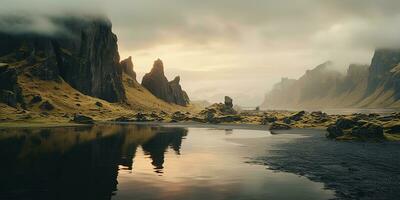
(127, 67)
(156, 82)
(85, 56)
(376, 86)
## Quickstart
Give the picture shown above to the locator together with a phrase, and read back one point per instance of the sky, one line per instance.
(232, 47)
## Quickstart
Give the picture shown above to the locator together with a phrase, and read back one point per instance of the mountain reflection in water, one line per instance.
(60, 163)
(143, 162)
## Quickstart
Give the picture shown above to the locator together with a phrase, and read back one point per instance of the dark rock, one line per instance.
(141, 117)
(179, 96)
(393, 128)
(99, 104)
(123, 119)
(269, 119)
(156, 82)
(179, 116)
(228, 118)
(345, 123)
(368, 130)
(279, 126)
(297, 116)
(228, 102)
(210, 116)
(36, 99)
(82, 119)
(334, 132)
(287, 120)
(386, 118)
(46, 106)
(127, 67)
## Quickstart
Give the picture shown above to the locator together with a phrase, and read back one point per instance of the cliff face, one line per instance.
(375, 86)
(85, 56)
(156, 82)
(127, 67)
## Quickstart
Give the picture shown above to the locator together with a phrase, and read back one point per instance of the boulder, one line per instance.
(82, 119)
(179, 116)
(287, 120)
(368, 130)
(279, 126)
(393, 128)
(36, 99)
(334, 132)
(297, 116)
(345, 123)
(46, 106)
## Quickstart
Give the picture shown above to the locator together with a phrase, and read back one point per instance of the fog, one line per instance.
(228, 47)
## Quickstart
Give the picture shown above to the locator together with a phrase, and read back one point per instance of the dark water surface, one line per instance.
(143, 162)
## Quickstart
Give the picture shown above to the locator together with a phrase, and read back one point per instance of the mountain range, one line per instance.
(363, 86)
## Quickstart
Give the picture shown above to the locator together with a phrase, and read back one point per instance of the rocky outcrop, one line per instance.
(156, 82)
(178, 95)
(127, 67)
(85, 55)
(374, 86)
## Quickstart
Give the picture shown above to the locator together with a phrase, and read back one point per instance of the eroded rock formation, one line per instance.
(156, 82)
(127, 67)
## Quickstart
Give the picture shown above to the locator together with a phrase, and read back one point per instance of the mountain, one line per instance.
(156, 82)
(86, 58)
(77, 70)
(363, 86)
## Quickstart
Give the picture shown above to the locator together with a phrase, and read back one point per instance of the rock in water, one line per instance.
(156, 82)
(127, 67)
(85, 55)
(279, 126)
(228, 102)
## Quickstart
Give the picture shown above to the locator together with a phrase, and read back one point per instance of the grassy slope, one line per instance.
(68, 101)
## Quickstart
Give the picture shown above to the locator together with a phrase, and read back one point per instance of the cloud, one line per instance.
(247, 43)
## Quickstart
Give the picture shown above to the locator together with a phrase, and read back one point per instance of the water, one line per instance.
(143, 162)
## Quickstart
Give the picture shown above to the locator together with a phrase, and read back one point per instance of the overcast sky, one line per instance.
(238, 48)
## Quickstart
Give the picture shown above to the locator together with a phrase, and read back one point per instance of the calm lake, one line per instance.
(143, 162)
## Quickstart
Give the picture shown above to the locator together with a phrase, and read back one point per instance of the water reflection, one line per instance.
(142, 162)
(77, 163)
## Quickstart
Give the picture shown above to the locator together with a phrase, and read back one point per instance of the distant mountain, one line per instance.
(363, 86)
